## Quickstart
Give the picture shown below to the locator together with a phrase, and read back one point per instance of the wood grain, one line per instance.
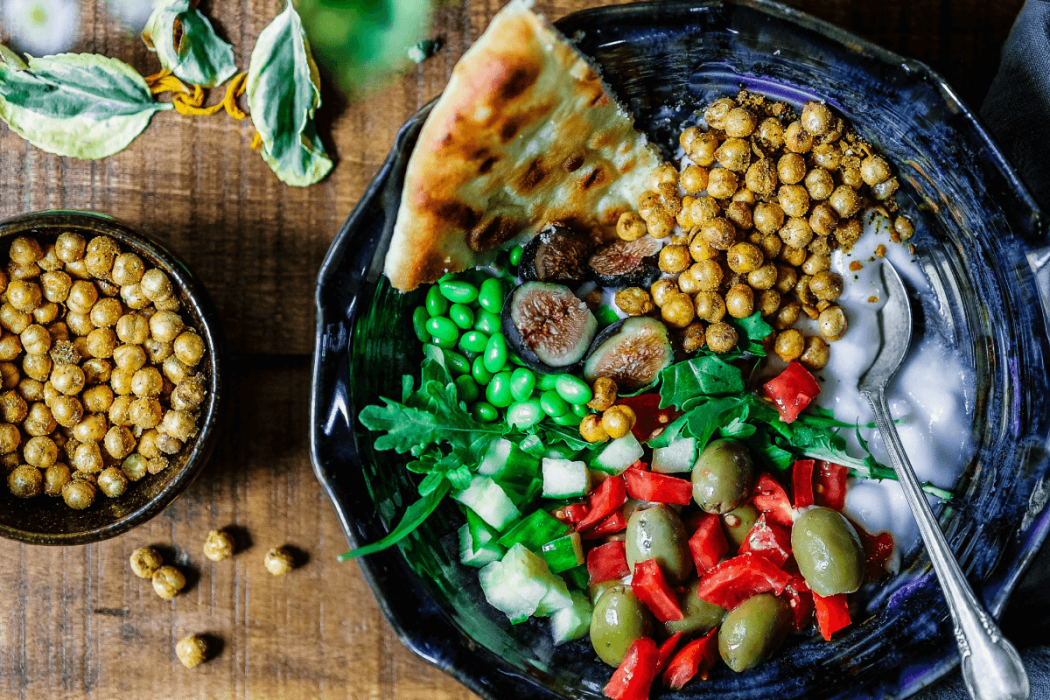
(74, 622)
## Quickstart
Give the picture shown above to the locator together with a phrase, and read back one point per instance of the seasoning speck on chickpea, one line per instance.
(279, 561)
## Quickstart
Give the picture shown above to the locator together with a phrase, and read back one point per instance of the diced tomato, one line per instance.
(708, 544)
(631, 681)
(800, 598)
(802, 481)
(649, 416)
(651, 587)
(832, 614)
(877, 551)
(665, 651)
(792, 390)
(607, 562)
(609, 496)
(830, 487)
(735, 580)
(614, 523)
(770, 540)
(696, 658)
(657, 488)
(570, 515)
(771, 498)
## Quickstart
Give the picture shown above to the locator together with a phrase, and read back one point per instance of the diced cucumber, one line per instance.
(534, 530)
(677, 457)
(556, 599)
(523, 496)
(506, 463)
(560, 451)
(485, 497)
(564, 553)
(480, 532)
(517, 584)
(563, 478)
(483, 554)
(574, 621)
(618, 455)
(577, 577)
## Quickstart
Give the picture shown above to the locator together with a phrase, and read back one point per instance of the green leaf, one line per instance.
(283, 93)
(201, 57)
(79, 105)
(753, 329)
(414, 516)
(685, 383)
(710, 417)
(763, 446)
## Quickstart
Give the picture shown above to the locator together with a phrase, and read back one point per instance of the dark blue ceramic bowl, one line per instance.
(978, 229)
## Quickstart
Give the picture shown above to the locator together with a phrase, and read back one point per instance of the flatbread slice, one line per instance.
(525, 133)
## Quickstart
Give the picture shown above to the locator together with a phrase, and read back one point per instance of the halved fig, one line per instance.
(548, 326)
(557, 254)
(631, 352)
(627, 263)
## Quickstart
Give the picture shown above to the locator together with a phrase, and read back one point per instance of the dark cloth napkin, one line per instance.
(1017, 112)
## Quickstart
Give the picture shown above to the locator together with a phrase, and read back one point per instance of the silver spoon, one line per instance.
(991, 666)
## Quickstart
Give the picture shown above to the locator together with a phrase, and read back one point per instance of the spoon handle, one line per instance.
(991, 666)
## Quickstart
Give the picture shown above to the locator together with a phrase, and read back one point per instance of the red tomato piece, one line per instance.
(657, 488)
(830, 487)
(771, 498)
(832, 614)
(570, 515)
(631, 681)
(665, 651)
(607, 562)
(614, 523)
(735, 580)
(877, 551)
(608, 497)
(800, 598)
(651, 587)
(708, 543)
(770, 540)
(792, 390)
(696, 658)
(802, 481)
(649, 416)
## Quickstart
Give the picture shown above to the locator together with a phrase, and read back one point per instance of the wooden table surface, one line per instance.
(74, 622)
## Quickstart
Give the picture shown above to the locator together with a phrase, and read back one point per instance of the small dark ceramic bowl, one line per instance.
(47, 520)
(978, 240)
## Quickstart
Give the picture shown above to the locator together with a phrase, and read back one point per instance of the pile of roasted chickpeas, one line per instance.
(99, 380)
(763, 201)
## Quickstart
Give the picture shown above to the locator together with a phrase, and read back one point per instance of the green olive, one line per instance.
(619, 620)
(658, 533)
(595, 590)
(829, 552)
(700, 617)
(722, 476)
(752, 632)
(737, 523)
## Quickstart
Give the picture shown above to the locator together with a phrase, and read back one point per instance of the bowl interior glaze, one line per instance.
(46, 520)
(976, 224)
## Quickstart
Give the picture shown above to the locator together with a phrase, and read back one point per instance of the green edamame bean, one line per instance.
(444, 344)
(487, 322)
(441, 327)
(573, 390)
(522, 382)
(496, 353)
(484, 412)
(515, 360)
(553, 405)
(436, 304)
(447, 277)
(473, 341)
(568, 418)
(456, 363)
(524, 414)
(498, 390)
(419, 323)
(477, 370)
(490, 296)
(461, 315)
(515, 255)
(467, 389)
(580, 409)
(459, 292)
(547, 381)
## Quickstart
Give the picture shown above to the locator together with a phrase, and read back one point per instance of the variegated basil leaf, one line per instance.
(283, 94)
(187, 45)
(80, 105)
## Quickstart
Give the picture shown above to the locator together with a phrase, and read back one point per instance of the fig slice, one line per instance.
(557, 254)
(627, 263)
(548, 326)
(631, 352)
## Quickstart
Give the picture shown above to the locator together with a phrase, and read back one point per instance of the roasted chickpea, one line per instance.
(145, 413)
(79, 324)
(721, 337)
(633, 301)
(816, 353)
(822, 219)
(744, 257)
(175, 370)
(13, 408)
(87, 457)
(25, 482)
(886, 189)
(39, 421)
(740, 122)
(14, 320)
(816, 118)
(722, 183)
(702, 148)
(826, 285)
(844, 201)
(874, 169)
(662, 174)
(770, 135)
(10, 438)
(789, 345)
(796, 233)
(25, 251)
(279, 561)
(718, 111)
(904, 228)
(133, 296)
(734, 154)
(156, 285)
(797, 139)
(192, 651)
(9, 375)
(693, 337)
(791, 168)
(703, 209)
(35, 340)
(604, 394)
(710, 306)
(693, 179)
(591, 428)
(147, 446)
(850, 173)
(82, 296)
(787, 315)
(219, 545)
(848, 232)
(78, 494)
(629, 227)
(663, 289)
(768, 302)
(56, 286)
(100, 262)
(719, 233)
(659, 225)
(832, 323)
(134, 467)
(145, 561)
(740, 301)
(166, 326)
(168, 581)
(793, 199)
(31, 390)
(120, 381)
(112, 482)
(827, 156)
(157, 351)
(132, 329)
(91, 429)
(40, 452)
(677, 312)
(817, 262)
(97, 371)
(105, 313)
(739, 213)
(819, 183)
(685, 218)
(708, 274)
(128, 268)
(67, 411)
(763, 277)
(55, 479)
(699, 249)
(190, 394)
(673, 259)
(46, 313)
(147, 382)
(793, 256)
(761, 177)
(687, 282)
(157, 465)
(97, 399)
(77, 270)
(101, 343)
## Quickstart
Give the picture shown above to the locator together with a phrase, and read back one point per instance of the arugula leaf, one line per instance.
(686, 383)
(712, 416)
(414, 516)
(765, 448)
(553, 433)
(671, 432)
(752, 329)
(201, 57)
